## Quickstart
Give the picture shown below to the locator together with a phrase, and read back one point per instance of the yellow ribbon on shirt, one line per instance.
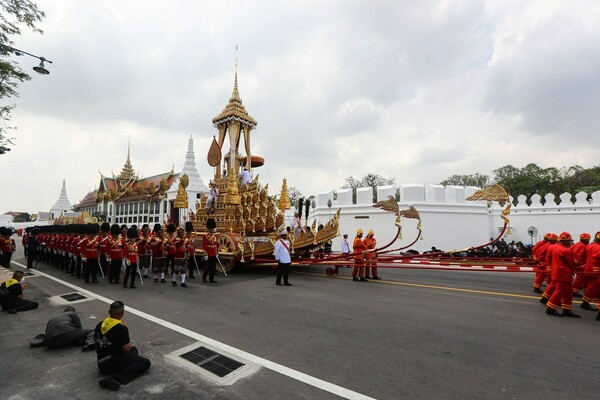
(108, 324)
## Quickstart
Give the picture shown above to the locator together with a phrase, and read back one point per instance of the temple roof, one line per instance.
(234, 109)
(127, 173)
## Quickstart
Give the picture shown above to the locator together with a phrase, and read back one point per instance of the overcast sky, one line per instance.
(414, 90)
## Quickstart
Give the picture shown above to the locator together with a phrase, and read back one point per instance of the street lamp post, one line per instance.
(40, 69)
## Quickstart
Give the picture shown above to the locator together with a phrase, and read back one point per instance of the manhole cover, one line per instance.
(73, 297)
(212, 361)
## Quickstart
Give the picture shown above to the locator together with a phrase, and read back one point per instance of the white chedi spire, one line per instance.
(62, 204)
(189, 169)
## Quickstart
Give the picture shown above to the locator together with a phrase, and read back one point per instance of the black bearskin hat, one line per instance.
(114, 229)
(145, 226)
(189, 227)
(92, 228)
(171, 228)
(123, 226)
(105, 227)
(132, 233)
(157, 228)
(211, 223)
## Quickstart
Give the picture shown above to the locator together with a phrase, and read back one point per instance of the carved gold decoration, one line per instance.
(214, 154)
(284, 200)
(100, 197)
(232, 196)
(391, 205)
(151, 188)
(163, 185)
(139, 189)
(128, 191)
(181, 201)
(495, 193)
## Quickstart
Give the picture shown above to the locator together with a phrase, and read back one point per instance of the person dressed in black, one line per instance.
(117, 357)
(11, 295)
(62, 331)
(32, 246)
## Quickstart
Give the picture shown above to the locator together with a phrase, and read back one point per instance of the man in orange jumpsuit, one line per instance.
(358, 247)
(547, 253)
(370, 255)
(590, 281)
(540, 276)
(563, 268)
(579, 251)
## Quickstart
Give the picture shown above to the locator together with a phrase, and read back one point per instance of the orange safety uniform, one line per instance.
(358, 247)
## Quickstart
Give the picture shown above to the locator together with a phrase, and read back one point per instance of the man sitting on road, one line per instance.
(11, 295)
(62, 331)
(117, 357)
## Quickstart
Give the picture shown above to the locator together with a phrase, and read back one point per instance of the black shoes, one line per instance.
(109, 384)
(174, 283)
(553, 312)
(376, 277)
(537, 290)
(355, 279)
(587, 306)
(543, 300)
(363, 280)
(569, 313)
(577, 294)
(287, 284)
(183, 284)
(213, 281)
(132, 287)
(278, 283)
(368, 277)
(204, 280)
(163, 281)
(145, 276)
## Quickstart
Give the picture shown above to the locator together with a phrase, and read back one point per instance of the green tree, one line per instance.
(294, 194)
(22, 217)
(14, 15)
(477, 179)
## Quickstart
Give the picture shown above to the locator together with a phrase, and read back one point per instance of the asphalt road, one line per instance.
(416, 334)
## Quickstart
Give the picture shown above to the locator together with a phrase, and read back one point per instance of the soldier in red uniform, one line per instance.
(190, 238)
(104, 246)
(7, 246)
(170, 248)
(579, 251)
(143, 244)
(131, 257)
(358, 272)
(563, 268)
(158, 254)
(181, 262)
(90, 264)
(209, 244)
(115, 251)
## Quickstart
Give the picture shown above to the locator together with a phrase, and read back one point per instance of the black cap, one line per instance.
(132, 233)
(157, 228)
(189, 227)
(211, 223)
(171, 228)
(114, 229)
(105, 227)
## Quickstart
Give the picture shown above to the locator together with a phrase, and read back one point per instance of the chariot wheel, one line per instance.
(226, 263)
(329, 271)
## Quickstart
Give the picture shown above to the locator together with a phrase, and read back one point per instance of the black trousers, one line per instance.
(73, 338)
(170, 262)
(283, 269)
(22, 305)
(90, 270)
(30, 258)
(114, 270)
(210, 269)
(5, 259)
(132, 270)
(126, 368)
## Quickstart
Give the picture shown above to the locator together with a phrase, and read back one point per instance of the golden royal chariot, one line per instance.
(248, 219)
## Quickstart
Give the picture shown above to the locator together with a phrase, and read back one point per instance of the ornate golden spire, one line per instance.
(127, 173)
(284, 201)
(234, 109)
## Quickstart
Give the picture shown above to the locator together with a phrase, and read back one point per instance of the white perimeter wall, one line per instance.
(451, 222)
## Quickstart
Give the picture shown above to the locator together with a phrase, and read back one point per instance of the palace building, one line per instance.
(128, 199)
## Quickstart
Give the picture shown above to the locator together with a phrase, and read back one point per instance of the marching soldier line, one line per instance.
(120, 254)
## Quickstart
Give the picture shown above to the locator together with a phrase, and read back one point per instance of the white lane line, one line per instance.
(283, 370)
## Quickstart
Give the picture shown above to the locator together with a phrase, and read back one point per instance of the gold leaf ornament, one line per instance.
(214, 153)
